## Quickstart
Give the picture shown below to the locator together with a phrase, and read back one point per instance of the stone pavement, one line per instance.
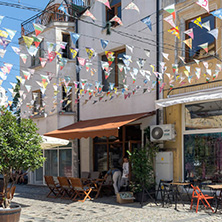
(36, 207)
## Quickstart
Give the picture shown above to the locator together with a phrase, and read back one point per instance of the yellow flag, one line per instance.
(28, 40)
(3, 34)
(198, 22)
(186, 73)
(175, 31)
(188, 42)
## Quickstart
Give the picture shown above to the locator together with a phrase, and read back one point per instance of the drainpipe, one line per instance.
(78, 107)
(157, 57)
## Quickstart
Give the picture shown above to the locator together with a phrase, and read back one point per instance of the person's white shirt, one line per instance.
(125, 170)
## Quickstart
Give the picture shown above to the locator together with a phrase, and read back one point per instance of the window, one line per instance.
(203, 157)
(37, 105)
(67, 98)
(203, 115)
(58, 162)
(66, 51)
(115, 6)
(116, 76)
(201, 36)
(108, 152)
(35, 61)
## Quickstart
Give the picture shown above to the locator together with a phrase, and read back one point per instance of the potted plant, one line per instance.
(19, 150)
(142, 165)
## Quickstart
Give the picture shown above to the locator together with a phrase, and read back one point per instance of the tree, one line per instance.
(19, 148)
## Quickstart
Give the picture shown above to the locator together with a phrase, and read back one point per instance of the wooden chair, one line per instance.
(85, 177)
(53, 187)
(197, 194)
(80, 189)
(66, 188)
(94, 175)
(105, 185)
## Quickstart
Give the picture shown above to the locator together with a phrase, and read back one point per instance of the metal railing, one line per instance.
(52, 14)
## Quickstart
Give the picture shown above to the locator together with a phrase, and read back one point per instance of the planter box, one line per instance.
(125, 197)
(10, 215)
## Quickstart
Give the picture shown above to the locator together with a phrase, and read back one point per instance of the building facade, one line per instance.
(192, 96)
(102, 109)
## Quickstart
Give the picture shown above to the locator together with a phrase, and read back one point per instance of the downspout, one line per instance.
(78, 107)
(157, 58)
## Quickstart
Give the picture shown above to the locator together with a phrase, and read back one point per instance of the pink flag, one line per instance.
(105, 2)
(116, 19)
(43, 61)
(204, 4)
(82, 61)
(169, 19)
(89, 14)
(190, 33)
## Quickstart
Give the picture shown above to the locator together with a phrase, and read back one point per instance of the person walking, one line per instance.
(116, 176)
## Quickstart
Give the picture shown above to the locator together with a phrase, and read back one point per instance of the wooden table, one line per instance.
(217, 187)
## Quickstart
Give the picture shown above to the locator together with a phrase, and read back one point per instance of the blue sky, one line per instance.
(12, 21)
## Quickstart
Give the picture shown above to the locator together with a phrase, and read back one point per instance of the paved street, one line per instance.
(36, 207)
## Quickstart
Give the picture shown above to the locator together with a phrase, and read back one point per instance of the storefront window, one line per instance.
(65, 163)
(100, 157)
(51, 163)
(109, 152)
(115, 155)
(203, 115)
(58, 162)
(203, 157)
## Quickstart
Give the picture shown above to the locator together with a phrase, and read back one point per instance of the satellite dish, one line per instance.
(157, 133)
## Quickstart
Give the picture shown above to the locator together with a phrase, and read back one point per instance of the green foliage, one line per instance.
(143, 166)
(19, 145)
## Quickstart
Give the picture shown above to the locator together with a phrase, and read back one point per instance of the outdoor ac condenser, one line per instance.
(162, 132)
(164, 167)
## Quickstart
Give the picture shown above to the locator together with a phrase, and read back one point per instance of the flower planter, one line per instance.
(10, 215)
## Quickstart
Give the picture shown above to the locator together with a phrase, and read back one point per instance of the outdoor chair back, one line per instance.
(53, 187)
(85, 175)
(197, 194)
(81, 190)
(94, 175)
(65, 187)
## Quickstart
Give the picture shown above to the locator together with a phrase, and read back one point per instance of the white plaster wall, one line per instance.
(54, 120)
(139, 102)
(85, 153)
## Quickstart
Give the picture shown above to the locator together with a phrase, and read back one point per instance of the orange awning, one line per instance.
(96, 127)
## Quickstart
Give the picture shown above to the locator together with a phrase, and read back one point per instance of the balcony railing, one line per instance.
(52, 14)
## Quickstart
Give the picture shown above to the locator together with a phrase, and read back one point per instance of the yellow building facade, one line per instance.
(192, 92)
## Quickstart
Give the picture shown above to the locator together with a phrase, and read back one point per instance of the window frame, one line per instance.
(40, 102)
(35, 61)
(114, 24)
(116, 66)
(65, 109)
(187, 49)
(68, 45)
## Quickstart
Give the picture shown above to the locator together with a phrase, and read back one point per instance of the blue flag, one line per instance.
(217, 13)
(104, 43)
(62, 8)
(147, 21)
(74, 37)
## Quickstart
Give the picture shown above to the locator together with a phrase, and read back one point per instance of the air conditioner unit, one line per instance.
(162, 132)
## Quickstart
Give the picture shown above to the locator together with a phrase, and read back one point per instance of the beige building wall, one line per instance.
(186, 10)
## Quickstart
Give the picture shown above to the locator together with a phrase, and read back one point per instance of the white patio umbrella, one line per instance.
(50, 142)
